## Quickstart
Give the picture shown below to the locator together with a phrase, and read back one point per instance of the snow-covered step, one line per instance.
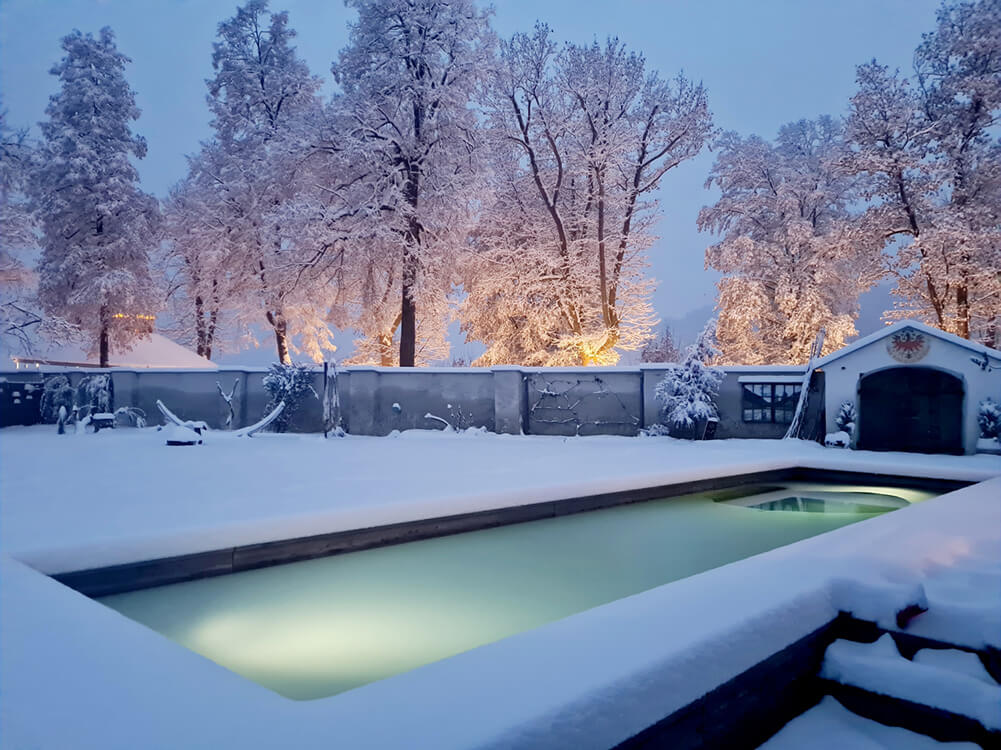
(830, 726)
(944, 692)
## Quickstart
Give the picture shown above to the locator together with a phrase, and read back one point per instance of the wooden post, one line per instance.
(796, 426)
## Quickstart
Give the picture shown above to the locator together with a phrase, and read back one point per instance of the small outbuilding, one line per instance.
(915, 388)
(152, 351)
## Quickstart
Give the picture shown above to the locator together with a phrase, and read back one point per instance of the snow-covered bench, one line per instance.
(101, 420)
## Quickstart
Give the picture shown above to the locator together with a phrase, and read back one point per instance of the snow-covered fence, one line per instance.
(379, 400)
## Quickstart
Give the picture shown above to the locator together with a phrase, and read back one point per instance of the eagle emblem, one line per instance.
(907, 345)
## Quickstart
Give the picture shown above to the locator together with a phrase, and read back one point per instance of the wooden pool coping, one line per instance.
(116, 579)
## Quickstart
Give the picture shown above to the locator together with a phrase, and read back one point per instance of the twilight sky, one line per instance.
(764, 63)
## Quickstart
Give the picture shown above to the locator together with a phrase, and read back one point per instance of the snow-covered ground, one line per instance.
(76, 674)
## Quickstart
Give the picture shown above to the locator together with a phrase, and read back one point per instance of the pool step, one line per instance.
(786, 692)
(894, 680)
(943, 693)
(940, 725)
(943, 679)
(830, 724)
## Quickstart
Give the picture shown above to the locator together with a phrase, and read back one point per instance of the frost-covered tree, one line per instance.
(989, 418)
(17, 223)
(19, 315)
(194, 260)
(661, 348)
(688, 391)
(930, 150)
(793, 258)
(846, 418)
(580, 138)
(288, 383)
(260, 97)
(98, 227)
(408, 75)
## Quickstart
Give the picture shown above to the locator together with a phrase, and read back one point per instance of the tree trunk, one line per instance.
(963, 311)
(277, 321)
(104, 341)
(281, 340)
(386, 349)
(602, 270)
(411, 246)
(408, 313)
(199, 326)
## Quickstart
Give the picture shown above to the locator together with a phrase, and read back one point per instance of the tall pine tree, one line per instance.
(98, 227)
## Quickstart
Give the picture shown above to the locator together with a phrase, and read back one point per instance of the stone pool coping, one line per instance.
(117, 579)
(76, 674)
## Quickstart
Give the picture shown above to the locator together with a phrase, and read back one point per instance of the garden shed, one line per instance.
(915, 388)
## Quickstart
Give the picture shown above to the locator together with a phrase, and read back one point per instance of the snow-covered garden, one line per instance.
(477, 203)
(591, 680)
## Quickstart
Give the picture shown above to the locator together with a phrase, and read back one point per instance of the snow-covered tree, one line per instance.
(97, 226)
(687, 392)
(202, 285)
(408, 75)
(989, 418)
(661, 348)
(845, 420)
(19, 315)
(793, 258)
(580, 138)
(260, 97)
(930, 151)
(288, 383)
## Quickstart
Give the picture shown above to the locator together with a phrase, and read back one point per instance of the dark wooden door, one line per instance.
(915, 409)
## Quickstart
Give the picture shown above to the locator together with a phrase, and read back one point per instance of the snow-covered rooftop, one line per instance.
(155, 351)
(586, 681)
(900, 325)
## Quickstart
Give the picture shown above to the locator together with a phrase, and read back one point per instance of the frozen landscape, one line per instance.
(590, 680)
(436, 374)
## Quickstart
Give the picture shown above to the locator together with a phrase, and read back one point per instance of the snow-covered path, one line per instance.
(76, 674)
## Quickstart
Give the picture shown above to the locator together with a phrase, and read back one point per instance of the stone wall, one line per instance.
(379, 400)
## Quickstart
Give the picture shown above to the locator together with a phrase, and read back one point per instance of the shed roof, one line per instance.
(938, 333)
(155, 351)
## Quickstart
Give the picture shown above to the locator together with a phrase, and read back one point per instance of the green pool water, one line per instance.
(312, 629)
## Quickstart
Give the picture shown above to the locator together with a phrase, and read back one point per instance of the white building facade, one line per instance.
(914, 388)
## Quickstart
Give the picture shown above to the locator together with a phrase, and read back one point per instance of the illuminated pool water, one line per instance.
(312, 629)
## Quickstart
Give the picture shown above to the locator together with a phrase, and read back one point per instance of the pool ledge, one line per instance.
(115, 579)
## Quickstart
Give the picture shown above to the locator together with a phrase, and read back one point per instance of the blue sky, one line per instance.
(764, 63)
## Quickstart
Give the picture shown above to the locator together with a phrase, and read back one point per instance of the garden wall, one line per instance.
(379, 400)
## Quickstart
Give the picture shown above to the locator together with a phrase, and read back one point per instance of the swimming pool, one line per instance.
(318, 627)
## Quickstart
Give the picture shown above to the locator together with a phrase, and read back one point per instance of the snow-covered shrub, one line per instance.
(130, 415)
(95, 395)
(989, 418)
(656, 430)
(687, 391)
(839, 439)
(288, 383)
(56, 392)
(846, 417)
